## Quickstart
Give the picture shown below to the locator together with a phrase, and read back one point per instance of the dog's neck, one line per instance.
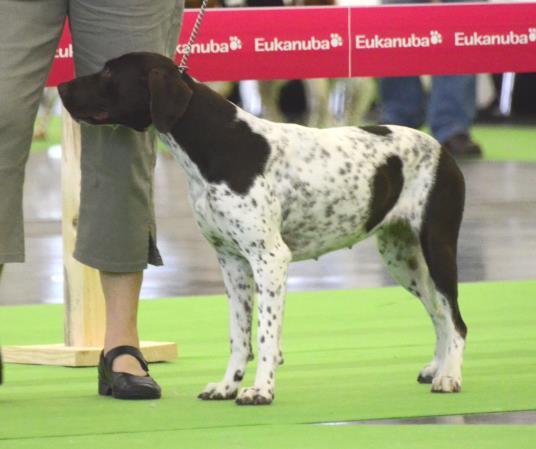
(217, 141)
(206, 110)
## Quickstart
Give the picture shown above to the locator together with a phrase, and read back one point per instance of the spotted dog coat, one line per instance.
(265, 194)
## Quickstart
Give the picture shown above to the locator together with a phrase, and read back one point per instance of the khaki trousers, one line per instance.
(116, 230)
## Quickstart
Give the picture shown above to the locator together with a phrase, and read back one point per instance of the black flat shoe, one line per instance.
(125, 385)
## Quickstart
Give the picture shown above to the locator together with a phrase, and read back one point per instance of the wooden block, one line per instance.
(78, 356)
(83, 297)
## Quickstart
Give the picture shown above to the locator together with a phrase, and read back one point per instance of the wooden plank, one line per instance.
(83, 297)
(73, 356)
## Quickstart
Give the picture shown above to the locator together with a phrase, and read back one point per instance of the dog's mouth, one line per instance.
(104, 118)
(98, 118)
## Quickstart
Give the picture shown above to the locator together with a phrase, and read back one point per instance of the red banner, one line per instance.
(336, 42)
(444, 39)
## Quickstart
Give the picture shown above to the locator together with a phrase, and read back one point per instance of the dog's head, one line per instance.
(134, 90)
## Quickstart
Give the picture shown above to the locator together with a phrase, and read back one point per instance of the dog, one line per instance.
(265, 194)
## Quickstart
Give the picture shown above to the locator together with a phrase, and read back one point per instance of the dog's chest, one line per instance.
(216, 209)
(198, 187)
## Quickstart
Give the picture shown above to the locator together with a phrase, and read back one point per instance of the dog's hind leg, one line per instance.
(401, 250)
(439, 242)
(270, 268)
(238, 279)
(424, 262)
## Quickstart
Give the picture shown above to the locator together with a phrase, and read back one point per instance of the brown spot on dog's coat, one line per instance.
(377, 129)
(386, 187)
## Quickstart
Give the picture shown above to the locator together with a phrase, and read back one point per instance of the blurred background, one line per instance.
(498, 238)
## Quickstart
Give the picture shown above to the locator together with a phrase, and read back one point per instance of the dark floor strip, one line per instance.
(525, 417)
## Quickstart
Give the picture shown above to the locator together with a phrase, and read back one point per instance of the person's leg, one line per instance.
(451, 112)
(1, 363)
(116, 232)
(402, 101)
(29, 33)
(121, 292)
(451, 108)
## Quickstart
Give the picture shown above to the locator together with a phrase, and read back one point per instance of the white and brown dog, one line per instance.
(265, 194)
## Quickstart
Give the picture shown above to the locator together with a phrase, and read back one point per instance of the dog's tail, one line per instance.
(440, 230)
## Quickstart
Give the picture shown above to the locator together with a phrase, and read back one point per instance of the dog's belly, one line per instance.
(310, 232)
(321, 209)
(323, 183)
(306, 246)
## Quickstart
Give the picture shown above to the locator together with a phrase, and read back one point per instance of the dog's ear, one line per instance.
(170, 97)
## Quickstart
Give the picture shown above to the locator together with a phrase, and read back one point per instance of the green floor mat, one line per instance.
(507, 143)
(349, 355)
(52, 138)
(298, 437)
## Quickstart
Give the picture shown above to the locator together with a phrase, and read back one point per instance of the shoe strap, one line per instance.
(125, 350)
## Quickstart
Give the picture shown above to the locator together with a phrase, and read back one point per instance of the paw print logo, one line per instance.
(336, 40)
(532, 34)
(435, 37)
(235, 43)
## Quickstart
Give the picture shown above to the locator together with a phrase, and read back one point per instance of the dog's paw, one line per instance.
(218, 392)
(446, 384)
(427, 374)
(255, 396)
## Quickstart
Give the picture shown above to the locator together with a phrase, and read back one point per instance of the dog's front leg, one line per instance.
(238, 279)
(270, 271)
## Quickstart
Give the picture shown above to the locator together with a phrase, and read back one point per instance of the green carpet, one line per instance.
(507, 143)
(349, 355)
(297, 437)
(499, 142)
(53, 136)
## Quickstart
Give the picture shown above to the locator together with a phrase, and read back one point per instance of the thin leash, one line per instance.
(183, 65)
